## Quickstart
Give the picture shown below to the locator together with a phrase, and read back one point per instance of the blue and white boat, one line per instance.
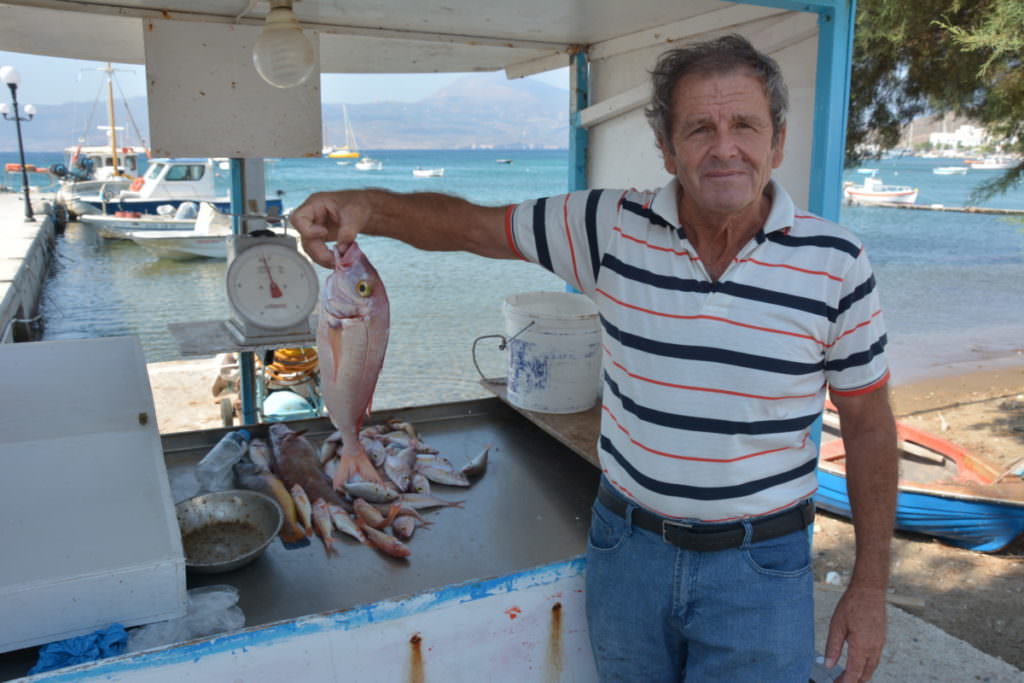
(166, 181)
(944, 491)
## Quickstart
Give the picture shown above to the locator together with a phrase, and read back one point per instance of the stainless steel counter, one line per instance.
(532, 507)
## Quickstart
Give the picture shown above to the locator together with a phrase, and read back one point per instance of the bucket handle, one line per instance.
(501, 347)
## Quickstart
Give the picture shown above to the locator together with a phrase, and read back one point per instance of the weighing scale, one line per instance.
(272, 290)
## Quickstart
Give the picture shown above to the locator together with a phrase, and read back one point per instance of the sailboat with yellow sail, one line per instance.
(350, 150)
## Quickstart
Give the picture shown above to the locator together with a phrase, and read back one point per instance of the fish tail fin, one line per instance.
(292, 532)
(353, 460)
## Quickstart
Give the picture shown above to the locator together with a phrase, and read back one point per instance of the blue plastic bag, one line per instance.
(88, 648)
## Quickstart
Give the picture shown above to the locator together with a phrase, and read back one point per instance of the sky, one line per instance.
(53, 80)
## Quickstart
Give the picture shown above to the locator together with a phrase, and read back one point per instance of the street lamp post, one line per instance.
(10, 77)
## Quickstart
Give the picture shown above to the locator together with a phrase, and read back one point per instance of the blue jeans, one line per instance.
(659, 613)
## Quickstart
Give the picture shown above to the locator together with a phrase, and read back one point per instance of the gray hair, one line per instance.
(718, 56)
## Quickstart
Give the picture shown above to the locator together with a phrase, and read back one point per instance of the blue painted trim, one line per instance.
(345, 620)
(831, 104)
(836, 20)
(579, 137)
(246, 359)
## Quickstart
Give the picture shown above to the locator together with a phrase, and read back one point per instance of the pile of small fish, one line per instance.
(299, 478)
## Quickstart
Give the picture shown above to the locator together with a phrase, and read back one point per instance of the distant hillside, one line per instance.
(482, 110)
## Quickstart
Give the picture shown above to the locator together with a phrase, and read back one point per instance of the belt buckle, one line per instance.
(666, 523)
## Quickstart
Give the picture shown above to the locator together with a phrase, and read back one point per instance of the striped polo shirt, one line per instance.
(711, 387)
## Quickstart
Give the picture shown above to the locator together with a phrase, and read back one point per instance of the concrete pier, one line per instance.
(25, 252)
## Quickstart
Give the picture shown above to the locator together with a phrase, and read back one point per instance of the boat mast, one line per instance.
(110, 115)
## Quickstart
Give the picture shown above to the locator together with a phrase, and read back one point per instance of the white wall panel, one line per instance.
(206, 99)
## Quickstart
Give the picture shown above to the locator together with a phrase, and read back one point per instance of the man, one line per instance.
(726, 314)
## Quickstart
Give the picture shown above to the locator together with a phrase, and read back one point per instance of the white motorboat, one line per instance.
(992, 164)
(873, 191)
(167, 181)
(428, 172)
(950, 170)
(368, 164)
(119, 225)
(207, 239)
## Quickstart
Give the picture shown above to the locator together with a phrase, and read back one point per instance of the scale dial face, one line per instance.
(272, 286)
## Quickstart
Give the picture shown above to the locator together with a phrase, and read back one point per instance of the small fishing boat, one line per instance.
(428, 172)
(117, 226)
(944, 491)
(874, 191)
(991, 164)
(368, 164)
(207, 238)
(503, 161)
(950, 170)
(166, 181)
(867, 171)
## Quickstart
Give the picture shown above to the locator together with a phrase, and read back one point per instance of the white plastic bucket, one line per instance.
(554, 351)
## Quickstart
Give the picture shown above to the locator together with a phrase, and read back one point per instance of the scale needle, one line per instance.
(275, 291)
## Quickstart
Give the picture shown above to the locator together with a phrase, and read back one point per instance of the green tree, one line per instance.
(937, 56)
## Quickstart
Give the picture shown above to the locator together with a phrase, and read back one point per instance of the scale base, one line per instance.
(249, 335)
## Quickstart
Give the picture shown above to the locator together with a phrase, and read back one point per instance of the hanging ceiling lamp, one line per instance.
(283, 56)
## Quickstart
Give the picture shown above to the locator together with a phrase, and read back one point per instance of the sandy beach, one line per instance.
(977, 598)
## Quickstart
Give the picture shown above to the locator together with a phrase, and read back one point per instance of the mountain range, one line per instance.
(484, 110)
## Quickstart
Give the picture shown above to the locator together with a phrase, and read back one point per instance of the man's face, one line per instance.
(721, 147)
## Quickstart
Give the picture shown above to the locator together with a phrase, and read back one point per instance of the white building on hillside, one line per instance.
(965, 136)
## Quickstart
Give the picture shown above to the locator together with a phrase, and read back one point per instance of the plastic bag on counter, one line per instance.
(210, 610)
(215, 471)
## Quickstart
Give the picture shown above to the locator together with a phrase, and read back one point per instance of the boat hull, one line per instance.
(982, 526)
(862, 197)
(149, 206)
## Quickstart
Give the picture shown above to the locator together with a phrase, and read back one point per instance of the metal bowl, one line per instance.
(225, 530)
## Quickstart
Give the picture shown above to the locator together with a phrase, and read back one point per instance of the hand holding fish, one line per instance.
(330, 216)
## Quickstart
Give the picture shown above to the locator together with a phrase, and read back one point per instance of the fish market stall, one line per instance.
(500, 565)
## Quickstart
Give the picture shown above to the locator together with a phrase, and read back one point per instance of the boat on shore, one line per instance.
(428, 172)
(874, 191)
(944, 491)
(950, 170)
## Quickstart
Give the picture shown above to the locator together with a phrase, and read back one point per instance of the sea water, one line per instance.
(951, 283)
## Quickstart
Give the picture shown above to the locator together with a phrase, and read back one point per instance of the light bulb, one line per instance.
(283, 55)
(9, 75)
(5, 109)
(30, 109)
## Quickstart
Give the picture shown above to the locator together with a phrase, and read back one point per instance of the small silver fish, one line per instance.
(368, 515)
(375, 449)
(420, 484)
(403, 527)
(399, 467)
(419, 501)
(329, 447)
(476, 466)
(259, 453)
(344, 523)
(440, 475)
(370, 491)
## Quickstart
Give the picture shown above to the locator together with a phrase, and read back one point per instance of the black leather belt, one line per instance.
(709, 537)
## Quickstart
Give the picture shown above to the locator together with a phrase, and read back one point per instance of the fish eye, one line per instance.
(364, 288)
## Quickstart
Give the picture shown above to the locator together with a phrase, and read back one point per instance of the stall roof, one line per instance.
(382, 36)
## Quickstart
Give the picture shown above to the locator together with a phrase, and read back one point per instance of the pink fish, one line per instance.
(351, 339)
(323, 525)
